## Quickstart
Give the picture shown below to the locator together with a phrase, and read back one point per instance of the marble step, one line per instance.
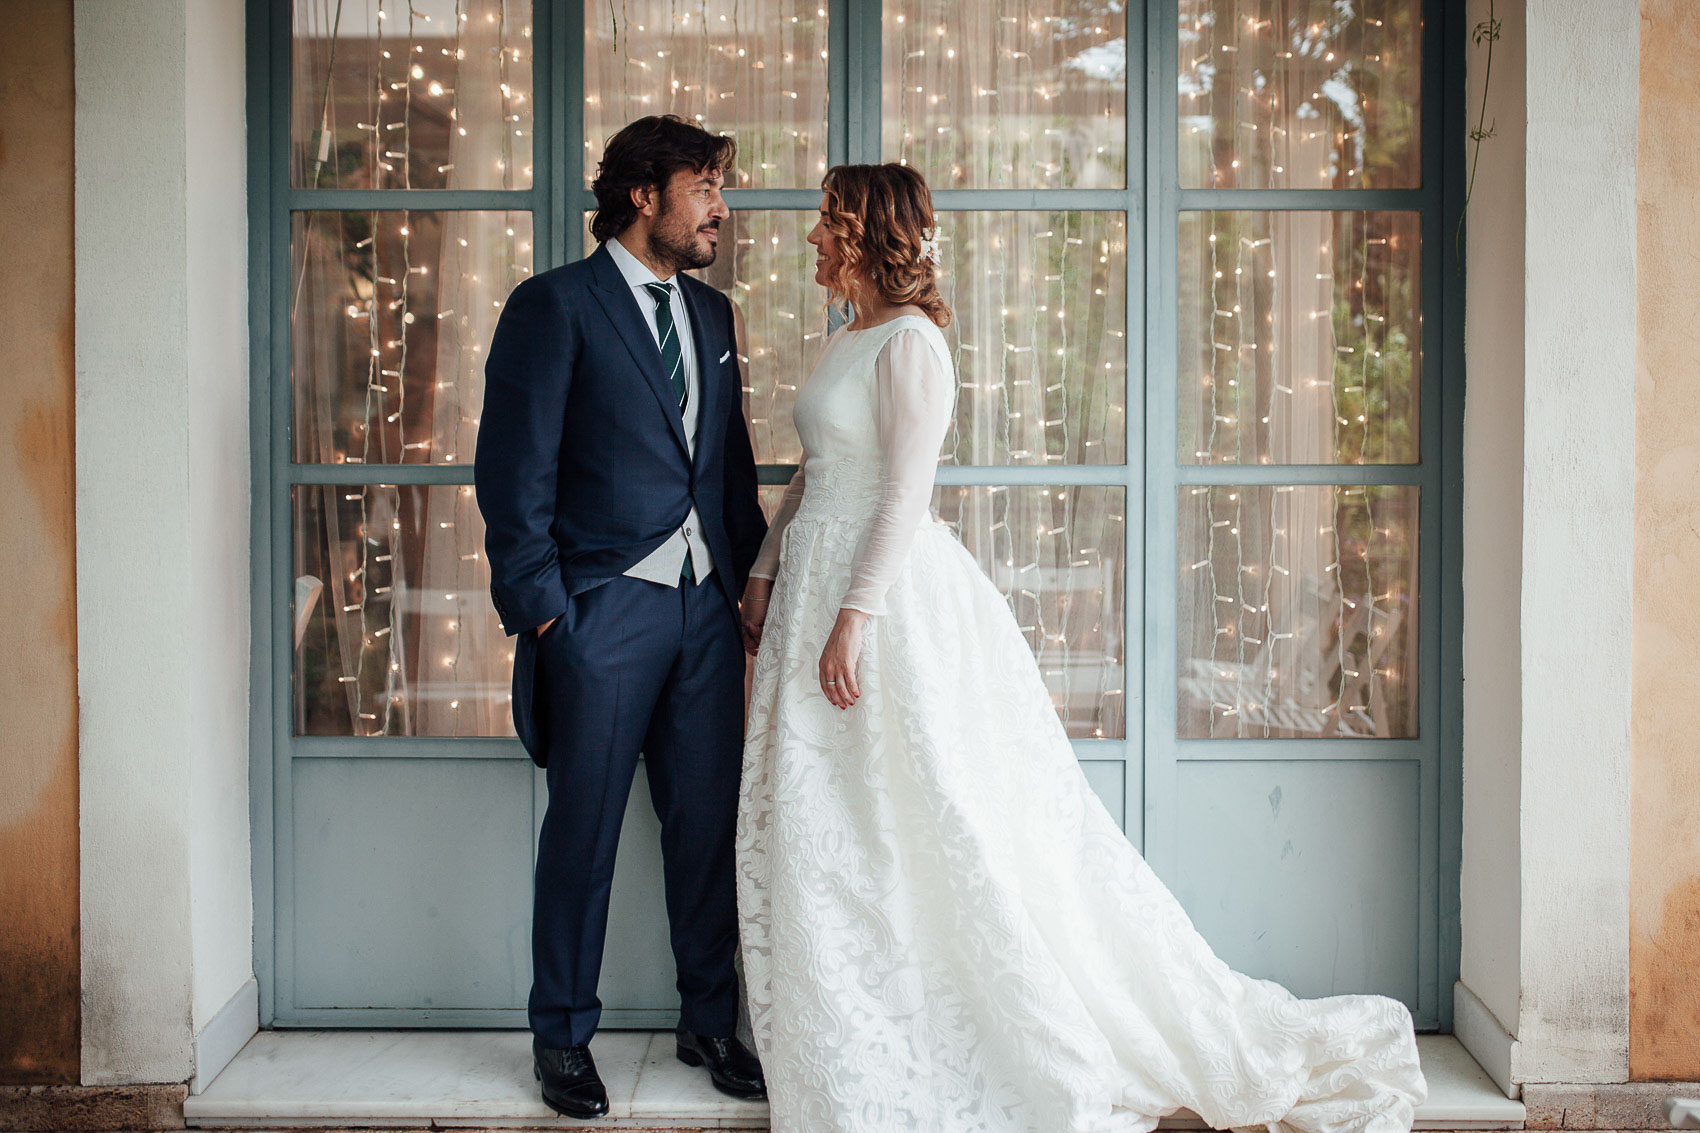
(483, 1079)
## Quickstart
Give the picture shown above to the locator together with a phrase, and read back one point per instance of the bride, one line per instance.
(943, 929)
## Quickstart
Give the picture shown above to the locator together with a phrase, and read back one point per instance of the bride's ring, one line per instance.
(831, 682)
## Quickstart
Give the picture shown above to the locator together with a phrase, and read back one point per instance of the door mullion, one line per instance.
(1254, 475)
(1134, 399)
(838, 81)
(278, 618)
(1159, 635)
(862, 99)
(872, 108)
(564, 68)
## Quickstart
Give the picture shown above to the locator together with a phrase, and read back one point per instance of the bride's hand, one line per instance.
(753, 610)
(838, 660)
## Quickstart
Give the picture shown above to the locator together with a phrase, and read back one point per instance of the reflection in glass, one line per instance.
(1039, 336)
(394, 631)
(432, 94)
(1300, 94)
(1058, 555)
(1300, 337)
(391, 315)
(1298, 611)
(1030, 94)
(751, 69)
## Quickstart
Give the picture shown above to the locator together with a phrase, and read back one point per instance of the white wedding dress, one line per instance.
(943, 929)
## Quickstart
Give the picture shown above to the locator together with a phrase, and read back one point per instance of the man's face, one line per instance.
(686, 228)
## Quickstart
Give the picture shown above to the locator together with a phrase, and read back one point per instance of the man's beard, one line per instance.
(679, 247)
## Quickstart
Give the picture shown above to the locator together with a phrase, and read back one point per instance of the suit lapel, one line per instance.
(708, 369)
(621, 306)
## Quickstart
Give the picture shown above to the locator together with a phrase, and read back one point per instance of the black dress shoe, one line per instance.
(732, 1068)
(571, 1086)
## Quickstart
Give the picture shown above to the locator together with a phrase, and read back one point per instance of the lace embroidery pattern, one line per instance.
(942, 928)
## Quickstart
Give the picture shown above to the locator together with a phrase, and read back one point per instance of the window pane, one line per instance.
(1040, 336)
(394, 631)
(1298, 611)
(751, 69)
(435, 94)
(1300, 94)
(1035, 388)
(1058, 555)
(770, 497)
(781, 319)
(1300, 337)
(391, 315)
(1030, 94)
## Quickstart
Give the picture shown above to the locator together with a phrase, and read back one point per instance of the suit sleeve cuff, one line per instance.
(520, 612)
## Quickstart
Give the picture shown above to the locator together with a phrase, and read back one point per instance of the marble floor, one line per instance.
(483, 1079)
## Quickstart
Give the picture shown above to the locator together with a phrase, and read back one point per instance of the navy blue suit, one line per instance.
(582, 470)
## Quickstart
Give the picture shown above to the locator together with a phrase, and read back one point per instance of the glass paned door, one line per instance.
(1295, 706)
(408, 162)
(1201, 324)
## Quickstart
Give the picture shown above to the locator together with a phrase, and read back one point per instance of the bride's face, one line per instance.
(827, 259)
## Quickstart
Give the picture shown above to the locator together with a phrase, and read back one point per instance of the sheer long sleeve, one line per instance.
(916, 389)
(767, 559)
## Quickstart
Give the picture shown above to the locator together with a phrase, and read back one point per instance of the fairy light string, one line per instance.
(1299, 94)
(1002, 96)
(423, 81)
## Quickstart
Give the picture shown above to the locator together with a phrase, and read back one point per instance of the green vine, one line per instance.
(1485, 32)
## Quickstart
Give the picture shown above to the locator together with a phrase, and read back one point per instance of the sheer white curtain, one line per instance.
(461, 643)
(391, 313)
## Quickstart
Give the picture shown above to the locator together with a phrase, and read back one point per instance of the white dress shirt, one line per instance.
(665, 562)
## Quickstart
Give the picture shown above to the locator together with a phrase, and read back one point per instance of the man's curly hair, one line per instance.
(646, 154)
(877, 214)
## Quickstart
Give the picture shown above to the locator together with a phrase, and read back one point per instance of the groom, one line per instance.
(618, 490)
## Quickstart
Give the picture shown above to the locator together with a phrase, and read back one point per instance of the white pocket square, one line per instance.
(725, 356)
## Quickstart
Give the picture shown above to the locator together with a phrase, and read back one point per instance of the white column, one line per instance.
(162, 536)
(1549, 452)
(1578, 485)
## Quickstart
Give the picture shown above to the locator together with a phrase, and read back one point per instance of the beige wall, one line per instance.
(39, 1015)
(1576, 601)
(39, 973)
(1664, 946)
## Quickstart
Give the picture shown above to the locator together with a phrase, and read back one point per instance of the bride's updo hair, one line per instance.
(878, 215)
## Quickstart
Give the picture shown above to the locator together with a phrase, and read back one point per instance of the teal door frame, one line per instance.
(1152, 201)
(1435, 751)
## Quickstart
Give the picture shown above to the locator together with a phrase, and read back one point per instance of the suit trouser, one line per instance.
(634, 665)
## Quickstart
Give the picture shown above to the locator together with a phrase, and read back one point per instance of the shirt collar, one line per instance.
(635, 271)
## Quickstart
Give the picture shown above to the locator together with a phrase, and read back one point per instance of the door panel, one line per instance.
(412, 883)
(1304, 871)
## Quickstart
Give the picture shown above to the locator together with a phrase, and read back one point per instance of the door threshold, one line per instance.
(482, 1079)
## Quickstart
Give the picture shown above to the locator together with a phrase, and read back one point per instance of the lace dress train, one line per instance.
(943, 930)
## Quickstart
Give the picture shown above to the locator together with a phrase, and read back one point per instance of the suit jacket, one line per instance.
(582, 467)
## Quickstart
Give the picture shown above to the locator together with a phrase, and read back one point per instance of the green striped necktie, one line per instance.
(671, 356)
(674, 359)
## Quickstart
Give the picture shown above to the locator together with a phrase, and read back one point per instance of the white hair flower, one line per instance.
(929, 245)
